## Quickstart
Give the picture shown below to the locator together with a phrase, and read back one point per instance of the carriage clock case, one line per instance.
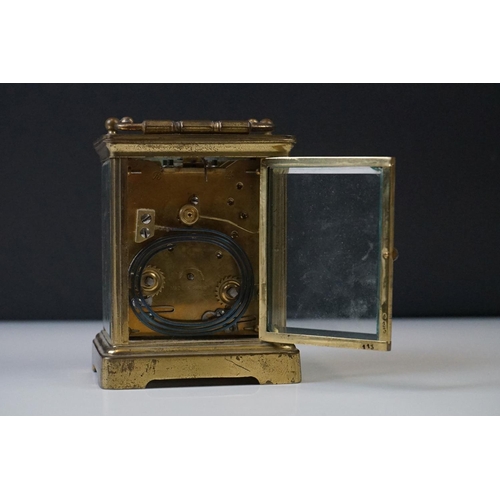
(221, 252)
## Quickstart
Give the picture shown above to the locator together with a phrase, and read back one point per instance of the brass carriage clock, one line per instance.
(220, 252)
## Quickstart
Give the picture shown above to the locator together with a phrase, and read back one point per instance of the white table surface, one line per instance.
(436, 367)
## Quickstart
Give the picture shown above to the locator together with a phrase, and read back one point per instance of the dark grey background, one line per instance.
(445, 137)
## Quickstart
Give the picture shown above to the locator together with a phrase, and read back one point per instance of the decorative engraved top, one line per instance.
(126, 124)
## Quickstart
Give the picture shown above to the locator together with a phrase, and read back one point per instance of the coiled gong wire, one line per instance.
(176, 328)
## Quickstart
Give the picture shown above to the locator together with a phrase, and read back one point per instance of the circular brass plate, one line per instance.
(189, 215)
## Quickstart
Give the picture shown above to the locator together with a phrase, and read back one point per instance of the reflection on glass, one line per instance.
(332, 250)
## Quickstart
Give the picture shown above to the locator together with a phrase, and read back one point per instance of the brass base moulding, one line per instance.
(135, 365)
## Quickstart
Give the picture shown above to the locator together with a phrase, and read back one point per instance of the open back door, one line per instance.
(327, 251)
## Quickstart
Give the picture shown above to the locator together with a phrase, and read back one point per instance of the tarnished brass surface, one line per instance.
(173, 178)
(136, 182)
(141, 362)
(193, 271)
(234, 146)
(210, 175)
(126, 124)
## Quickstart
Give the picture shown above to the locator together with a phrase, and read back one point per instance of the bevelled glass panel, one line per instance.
(324, 237)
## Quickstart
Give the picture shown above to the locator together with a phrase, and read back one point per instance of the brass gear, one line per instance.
(152, 281)
(228, 289)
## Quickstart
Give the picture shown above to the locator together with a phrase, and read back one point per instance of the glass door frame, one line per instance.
(387, 252)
